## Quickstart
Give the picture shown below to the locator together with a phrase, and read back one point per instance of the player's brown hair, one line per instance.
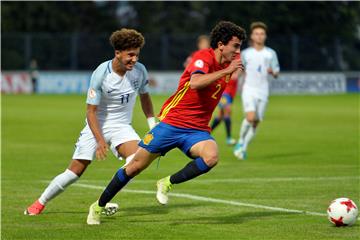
(125, 39)
(224, 31)
(255, 25)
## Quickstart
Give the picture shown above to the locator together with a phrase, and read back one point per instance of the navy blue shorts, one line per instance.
(165, 137)
(225, 100)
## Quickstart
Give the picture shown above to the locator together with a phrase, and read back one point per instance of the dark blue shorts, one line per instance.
(225, 100)
(165, 137)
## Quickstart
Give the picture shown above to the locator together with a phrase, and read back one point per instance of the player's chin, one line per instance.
(130, 66)
(230, 58)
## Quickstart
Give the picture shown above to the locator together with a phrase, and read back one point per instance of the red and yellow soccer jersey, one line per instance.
(192, 108)
(231, 87)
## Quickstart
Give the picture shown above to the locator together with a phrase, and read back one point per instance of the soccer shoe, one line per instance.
(230, 141)
(239, 152)
(94, 215)
(163, 187)
(35, 209)
(110, 209)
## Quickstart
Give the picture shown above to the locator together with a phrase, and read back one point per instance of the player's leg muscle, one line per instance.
(251, 117)
(78, 166)
(207, 150)
(128, 148)
(141, 160)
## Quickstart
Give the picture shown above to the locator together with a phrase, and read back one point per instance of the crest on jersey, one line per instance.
(92, 93)
(199, 63)
(148, 138)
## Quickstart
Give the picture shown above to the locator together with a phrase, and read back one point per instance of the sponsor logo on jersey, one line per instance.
(92, 93)
(199, 63)
(148, 138)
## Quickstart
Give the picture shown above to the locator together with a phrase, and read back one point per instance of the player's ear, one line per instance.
(220, 46)
(117, 53)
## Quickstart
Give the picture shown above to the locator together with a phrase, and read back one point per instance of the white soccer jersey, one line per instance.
(116, 95)
(256, 70)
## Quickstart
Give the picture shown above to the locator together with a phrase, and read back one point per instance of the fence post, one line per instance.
(165, 51)
(295, 52)
(27, 50)
(73, 51)
(339, 62)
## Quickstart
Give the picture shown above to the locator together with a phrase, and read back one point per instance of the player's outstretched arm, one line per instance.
(93, 122)
(199, 81)
(148, 109)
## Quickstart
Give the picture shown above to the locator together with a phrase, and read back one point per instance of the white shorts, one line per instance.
(252, 103)
(85, 147)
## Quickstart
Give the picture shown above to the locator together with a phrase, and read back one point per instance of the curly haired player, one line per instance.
(185, 118)
(114, 86)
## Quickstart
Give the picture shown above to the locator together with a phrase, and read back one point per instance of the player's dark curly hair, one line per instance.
(125, 39)
(224, 31)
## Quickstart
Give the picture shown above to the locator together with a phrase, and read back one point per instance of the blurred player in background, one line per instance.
(185, 119)
(259, 61)
(203, 42)
(114, 86)
(34, 74)
(225, 107)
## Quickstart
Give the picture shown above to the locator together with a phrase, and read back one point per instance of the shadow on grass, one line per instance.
(231, 219)
(134, 211)
(286, 155)
(226, 219)
(157, 209)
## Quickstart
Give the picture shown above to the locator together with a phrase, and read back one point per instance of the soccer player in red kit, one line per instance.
(185, 118)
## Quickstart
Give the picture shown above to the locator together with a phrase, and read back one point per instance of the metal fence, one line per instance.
(84, 51)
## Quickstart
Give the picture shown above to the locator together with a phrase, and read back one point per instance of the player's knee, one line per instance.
(251, 119)
(134, 167)
(211, 160)
(78, 166)
(227, 111)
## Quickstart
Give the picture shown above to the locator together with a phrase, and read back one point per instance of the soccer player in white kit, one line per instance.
(259, 61)
(112, 93)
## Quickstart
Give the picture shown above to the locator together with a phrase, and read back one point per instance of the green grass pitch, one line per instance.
(305, 154)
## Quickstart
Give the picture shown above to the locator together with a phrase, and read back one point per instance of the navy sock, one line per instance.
(119, 180)
(191, 170)
(227, 121)
(215, 123)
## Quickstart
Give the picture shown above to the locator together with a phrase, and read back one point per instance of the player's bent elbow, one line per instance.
(194, 85)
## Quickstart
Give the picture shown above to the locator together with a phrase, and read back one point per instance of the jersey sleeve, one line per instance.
(94, 91)
(144, 88)
(243, 59)
(274, 64)
(200, 63)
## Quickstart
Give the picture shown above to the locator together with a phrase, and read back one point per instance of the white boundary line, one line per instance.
(250, 180)
(213, 200)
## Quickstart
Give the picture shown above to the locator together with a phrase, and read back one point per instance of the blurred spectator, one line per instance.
(203, 42)
(34, 74)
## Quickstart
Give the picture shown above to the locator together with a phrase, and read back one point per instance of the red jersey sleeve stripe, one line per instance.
(175, 100)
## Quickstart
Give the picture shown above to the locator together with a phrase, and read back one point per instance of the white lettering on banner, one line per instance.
(309, 83)
(167, 82)
(64, 82)
(15, 82)
(287, 83)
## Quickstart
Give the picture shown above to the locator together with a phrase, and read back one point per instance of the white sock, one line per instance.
(249, 136)
(245, 126)
(58, 185)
